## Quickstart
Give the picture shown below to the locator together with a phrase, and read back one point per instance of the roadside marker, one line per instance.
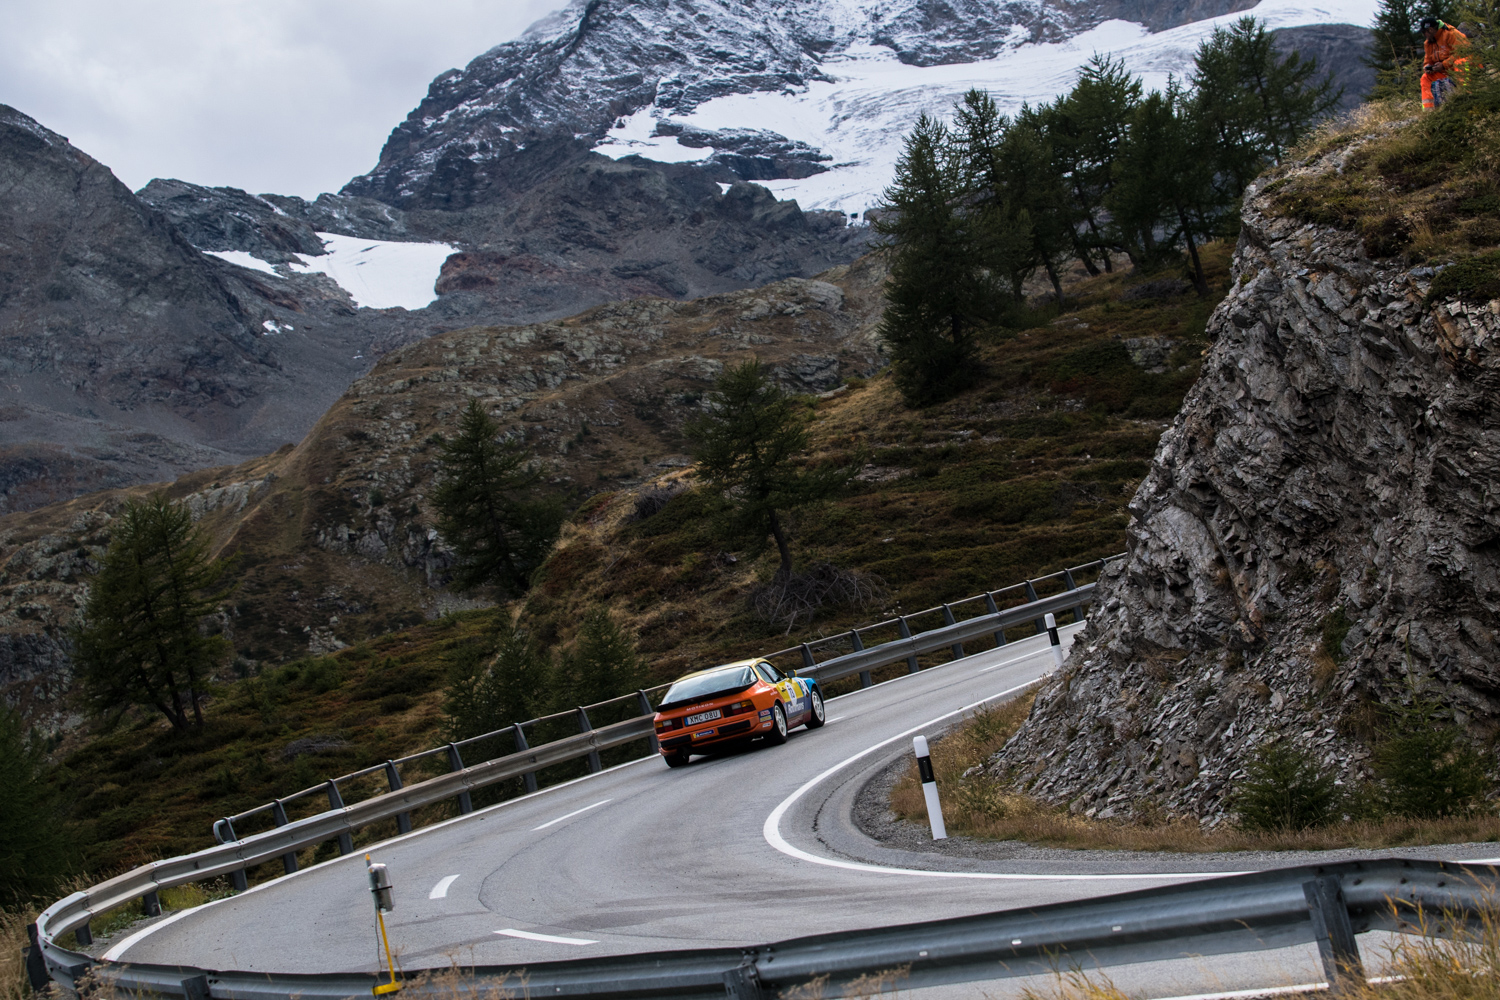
(929, 788)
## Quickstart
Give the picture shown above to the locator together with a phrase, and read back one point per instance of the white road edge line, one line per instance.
(440, 891)
(114, 953)
(547, 938)
(1276, 991)
(771, 831)
(570, 815)
(119, 949)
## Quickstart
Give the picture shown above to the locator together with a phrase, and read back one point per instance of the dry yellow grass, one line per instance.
(1464, 966)
(979, 806)
(13, 982)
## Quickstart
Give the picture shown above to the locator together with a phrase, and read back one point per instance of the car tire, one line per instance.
(817, 713)
(678, 759)
(777, 735)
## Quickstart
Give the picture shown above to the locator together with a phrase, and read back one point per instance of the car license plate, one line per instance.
(693, 720)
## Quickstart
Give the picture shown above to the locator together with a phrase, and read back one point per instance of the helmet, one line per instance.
(1429, 22)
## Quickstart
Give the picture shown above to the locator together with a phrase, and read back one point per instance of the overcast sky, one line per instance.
(284, 96)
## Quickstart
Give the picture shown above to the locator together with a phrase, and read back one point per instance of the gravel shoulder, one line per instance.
(878, 836)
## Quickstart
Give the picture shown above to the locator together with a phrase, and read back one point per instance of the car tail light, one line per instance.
(739, 707)
(664, 725)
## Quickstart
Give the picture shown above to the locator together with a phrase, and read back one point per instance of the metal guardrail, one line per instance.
(235, 854)
(903, 645)
(1326, 904)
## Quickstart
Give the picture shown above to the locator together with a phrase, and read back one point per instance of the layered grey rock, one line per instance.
(1339, 453)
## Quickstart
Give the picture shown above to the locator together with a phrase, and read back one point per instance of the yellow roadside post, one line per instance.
(385, 901)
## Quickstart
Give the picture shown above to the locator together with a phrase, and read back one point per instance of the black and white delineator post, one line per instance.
(929, 788)
(1057, 657)
(385, 902)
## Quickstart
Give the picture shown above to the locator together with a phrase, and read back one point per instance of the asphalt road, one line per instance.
(731, 851)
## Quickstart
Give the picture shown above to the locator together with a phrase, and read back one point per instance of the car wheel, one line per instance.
(678, 759)
(777, 735)
(819, 714)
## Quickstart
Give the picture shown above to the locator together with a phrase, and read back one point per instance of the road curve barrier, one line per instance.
(235, 852)
(1326, 904)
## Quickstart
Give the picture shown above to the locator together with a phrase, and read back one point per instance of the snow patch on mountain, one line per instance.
(243, 258)
(868, 98)
(379, 274)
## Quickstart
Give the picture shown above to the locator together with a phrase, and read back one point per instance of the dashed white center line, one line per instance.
(835, 719)
(559, 819)
(545, 938)
(441, 889)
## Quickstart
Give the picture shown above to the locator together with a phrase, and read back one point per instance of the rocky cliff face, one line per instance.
(1335, 463)
(128, 356)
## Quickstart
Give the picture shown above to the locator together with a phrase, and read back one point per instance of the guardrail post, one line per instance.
(911, 661)
(224, 834)
(521, 747)
(36, 962)
(195, 988)
(994, 609)
(807, 658)
(742, 982)
(646, 709)
(278, 816)
(948, 619)
(151, 904)
(1334, 932)
(335, 802)
(1031, 598)
(864, 675)
(456, 763)
(1071, 585)
(84, 935)
(584, 726)
(393, 778)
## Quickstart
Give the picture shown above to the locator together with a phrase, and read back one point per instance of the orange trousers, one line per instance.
(1438, 87)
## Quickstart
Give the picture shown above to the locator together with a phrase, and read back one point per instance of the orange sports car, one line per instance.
(734, 703)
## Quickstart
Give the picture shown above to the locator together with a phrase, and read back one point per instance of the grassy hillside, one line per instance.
(1029, 471)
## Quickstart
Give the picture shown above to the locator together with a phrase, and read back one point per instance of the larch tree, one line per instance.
(141, 638)
(942, 288)
(489, 507)
(747, 446)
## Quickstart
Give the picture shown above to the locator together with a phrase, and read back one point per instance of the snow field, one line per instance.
(860, 118)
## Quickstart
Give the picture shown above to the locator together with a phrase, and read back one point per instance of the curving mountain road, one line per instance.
(729, 851)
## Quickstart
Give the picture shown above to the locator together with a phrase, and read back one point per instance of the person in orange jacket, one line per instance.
(1439, 60)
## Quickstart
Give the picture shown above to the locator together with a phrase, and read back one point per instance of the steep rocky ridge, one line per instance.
(1336, 458)
(334, 536)
(578, 71)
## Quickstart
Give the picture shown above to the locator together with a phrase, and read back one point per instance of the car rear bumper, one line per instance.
(729, 731)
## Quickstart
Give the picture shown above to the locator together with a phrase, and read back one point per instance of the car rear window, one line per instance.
(708, 685)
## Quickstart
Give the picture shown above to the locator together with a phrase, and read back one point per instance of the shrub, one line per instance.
(1284, 789)
(1336, 626)
(1427, 767)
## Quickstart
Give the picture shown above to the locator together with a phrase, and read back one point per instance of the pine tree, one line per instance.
(1000, 225)
(940, 290)
(487, 694)
(140, 639)
(34, 852)
(488, 507)
(1396, 44)
(1164, 192)
(747, 447)
(1089, 127)
(603, 663)
(1256, 104)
